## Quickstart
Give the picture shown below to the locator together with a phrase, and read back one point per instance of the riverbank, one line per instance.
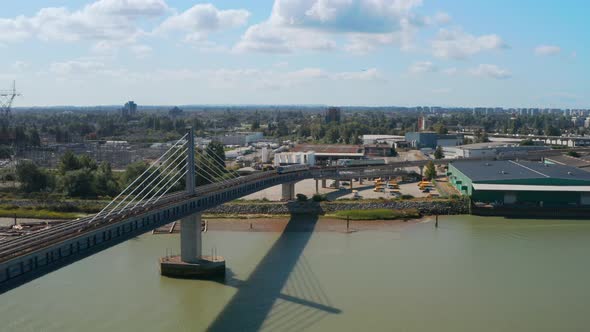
(74, 209)
(274, 224)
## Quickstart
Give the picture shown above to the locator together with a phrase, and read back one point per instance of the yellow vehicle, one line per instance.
(379, 189)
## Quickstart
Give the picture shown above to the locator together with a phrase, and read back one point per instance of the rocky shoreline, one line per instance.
(426, 208)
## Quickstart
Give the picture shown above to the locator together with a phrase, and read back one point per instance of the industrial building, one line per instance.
(331, 152)
(241, 138)
(432, 140)
(524, 183)
(489, 150)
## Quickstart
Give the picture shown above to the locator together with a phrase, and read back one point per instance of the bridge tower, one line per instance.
(192, 263)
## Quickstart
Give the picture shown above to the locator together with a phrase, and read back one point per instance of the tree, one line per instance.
(137, 169)
(438, 153)
(573, 154)
(105, 184)
(216, 151)
(78, 183)
(430, 171)
(31, 177)
(68, 162)
(6, 152)
(440, 128)
(481, 136)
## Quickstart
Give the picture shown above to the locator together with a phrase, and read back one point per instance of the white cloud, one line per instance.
(141, 51)
(457, 44)
(371, 74)
(491, 71)
(369, 16)
(201, 19)
(547, 50)
(76, 67)
(103, 20)
(450, 71)
(440, 18)
(266, 38)
(20, 65)
(420, 67)
(315, 24)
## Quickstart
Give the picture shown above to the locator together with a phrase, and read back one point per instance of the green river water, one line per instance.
(470, 274)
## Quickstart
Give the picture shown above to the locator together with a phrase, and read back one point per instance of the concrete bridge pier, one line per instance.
(421, 170)
(288, 191)
(191, 263)
(324, 183)
(190, 239)
(337, 184)
(317, 186)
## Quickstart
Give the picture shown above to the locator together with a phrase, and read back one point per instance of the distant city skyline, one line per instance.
(532, 54)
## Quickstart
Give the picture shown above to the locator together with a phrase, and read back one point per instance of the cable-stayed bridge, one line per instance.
(180, 185)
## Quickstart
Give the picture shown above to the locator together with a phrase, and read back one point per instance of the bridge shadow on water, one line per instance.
(282, 293)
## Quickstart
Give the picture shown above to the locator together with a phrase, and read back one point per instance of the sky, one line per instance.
(494, 53)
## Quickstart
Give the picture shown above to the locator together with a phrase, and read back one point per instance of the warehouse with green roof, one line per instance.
(521, 182)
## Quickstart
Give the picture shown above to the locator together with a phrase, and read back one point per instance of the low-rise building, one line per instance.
(378, 150)
(241, 138)
(293, 158)
(525, 183)
(327, 153)
(432, 140)
(489, 150)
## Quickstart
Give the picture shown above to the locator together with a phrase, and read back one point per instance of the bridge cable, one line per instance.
(223, 162)
(222, 172)
(166, 186)
(155, 177)
(182, 139)
(216, 171)
(152, 187)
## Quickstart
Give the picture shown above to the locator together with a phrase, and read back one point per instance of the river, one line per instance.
(470, 274)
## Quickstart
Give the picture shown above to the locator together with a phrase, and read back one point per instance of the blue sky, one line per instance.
(338, 52)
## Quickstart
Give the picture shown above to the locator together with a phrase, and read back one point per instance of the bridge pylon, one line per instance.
(191, 263)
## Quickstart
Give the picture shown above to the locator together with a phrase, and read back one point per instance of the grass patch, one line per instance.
(376, 214)
(37, 214)
(244, 216)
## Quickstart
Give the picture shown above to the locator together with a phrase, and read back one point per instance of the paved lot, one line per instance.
(307, 187)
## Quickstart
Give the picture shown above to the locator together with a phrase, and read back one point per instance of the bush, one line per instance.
(301, 198)
(319, 198)
(406, 196)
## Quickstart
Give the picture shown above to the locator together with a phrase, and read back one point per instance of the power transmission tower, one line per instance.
(6, 99)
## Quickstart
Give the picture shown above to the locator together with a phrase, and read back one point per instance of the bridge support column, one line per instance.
(192, 264)
(337, 184)
(288, 191)
(190, 239)
(360, 180)
(317, 186)
(324, 183)
(421, 170)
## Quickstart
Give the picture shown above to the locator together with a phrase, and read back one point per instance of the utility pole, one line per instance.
(6, 99)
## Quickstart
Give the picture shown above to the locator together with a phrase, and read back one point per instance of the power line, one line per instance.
(6, 99)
